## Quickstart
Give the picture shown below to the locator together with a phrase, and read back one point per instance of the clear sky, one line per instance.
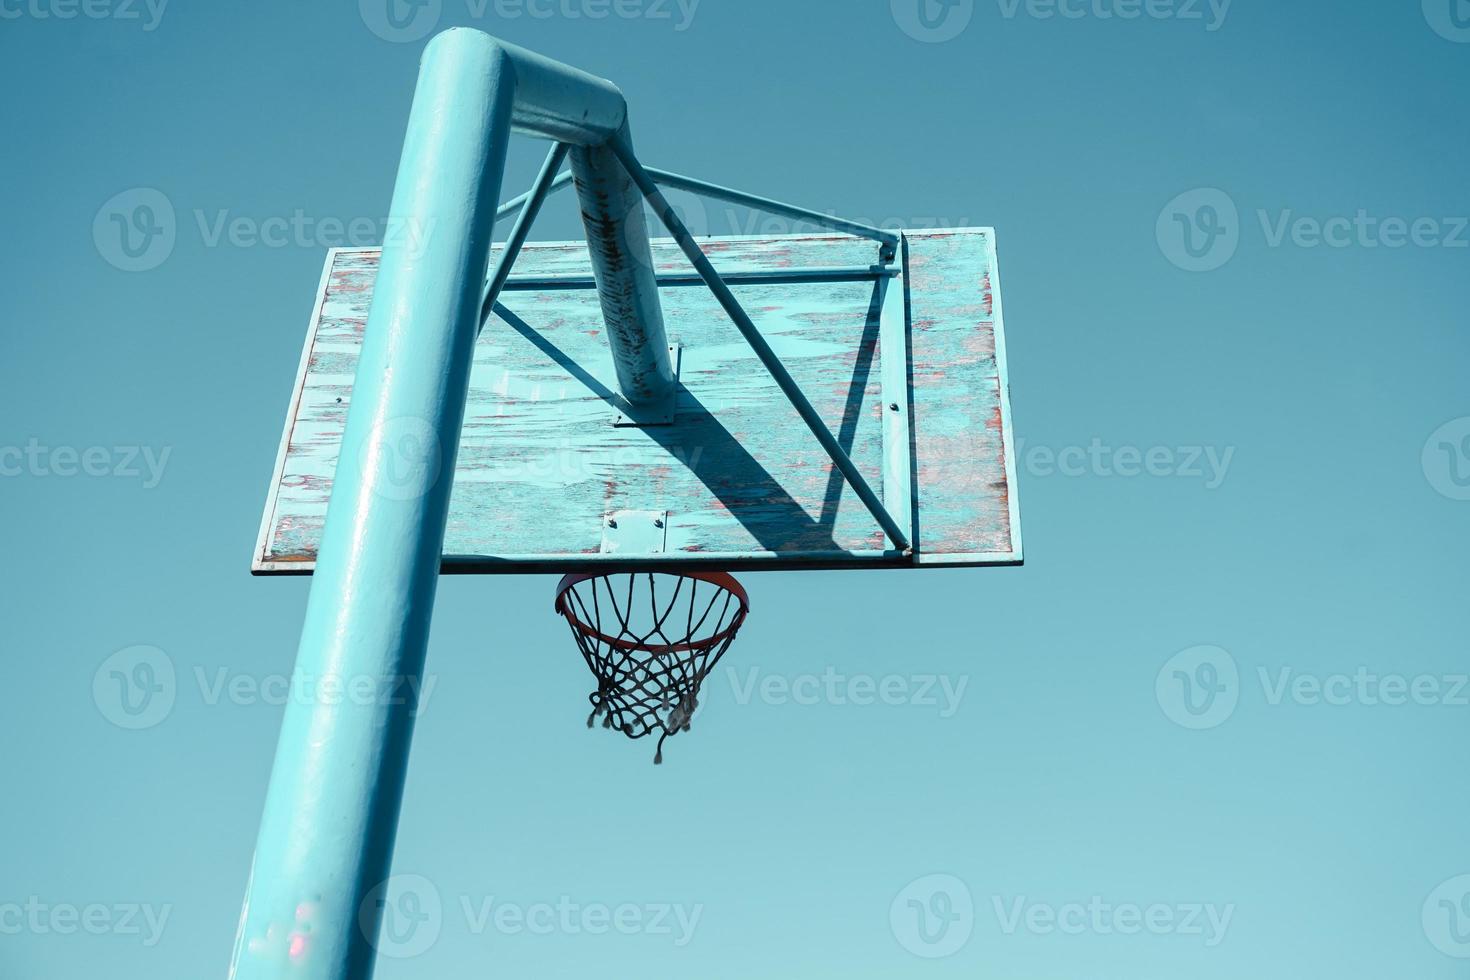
(1214, 728)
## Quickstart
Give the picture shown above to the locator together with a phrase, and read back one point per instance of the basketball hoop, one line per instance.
(650, 654)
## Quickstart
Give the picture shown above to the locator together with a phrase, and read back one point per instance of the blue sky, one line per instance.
(1213, 728)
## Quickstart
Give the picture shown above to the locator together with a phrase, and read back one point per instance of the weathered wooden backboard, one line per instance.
(907, 367)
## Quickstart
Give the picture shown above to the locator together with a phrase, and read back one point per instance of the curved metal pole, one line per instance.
(316, 898)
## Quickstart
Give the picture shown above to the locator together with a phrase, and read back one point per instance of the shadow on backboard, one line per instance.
(739, 481)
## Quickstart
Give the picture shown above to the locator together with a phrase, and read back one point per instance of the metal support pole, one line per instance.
(326, 837)
(758, 343)
(622, 263)
(314, 904)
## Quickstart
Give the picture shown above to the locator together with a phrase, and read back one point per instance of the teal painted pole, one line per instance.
(622, 263)
(331, 813)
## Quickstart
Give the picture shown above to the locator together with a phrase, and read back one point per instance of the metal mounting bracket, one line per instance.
(658, 413)
(635, 532)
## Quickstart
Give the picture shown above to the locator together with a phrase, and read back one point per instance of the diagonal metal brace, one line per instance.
(520, 200)
(747, 327)
(533, 200)
(888, 239)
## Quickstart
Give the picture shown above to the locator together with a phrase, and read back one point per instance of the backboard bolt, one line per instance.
(658, 523)
(611, 522)
(893, 406)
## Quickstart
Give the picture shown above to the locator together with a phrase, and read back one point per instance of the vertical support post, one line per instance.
(622, 263)
(331, 813)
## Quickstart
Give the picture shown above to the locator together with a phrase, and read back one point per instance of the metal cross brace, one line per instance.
(647, 181)
(752, 334)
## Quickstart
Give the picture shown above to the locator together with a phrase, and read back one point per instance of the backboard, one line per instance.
(905, 362)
